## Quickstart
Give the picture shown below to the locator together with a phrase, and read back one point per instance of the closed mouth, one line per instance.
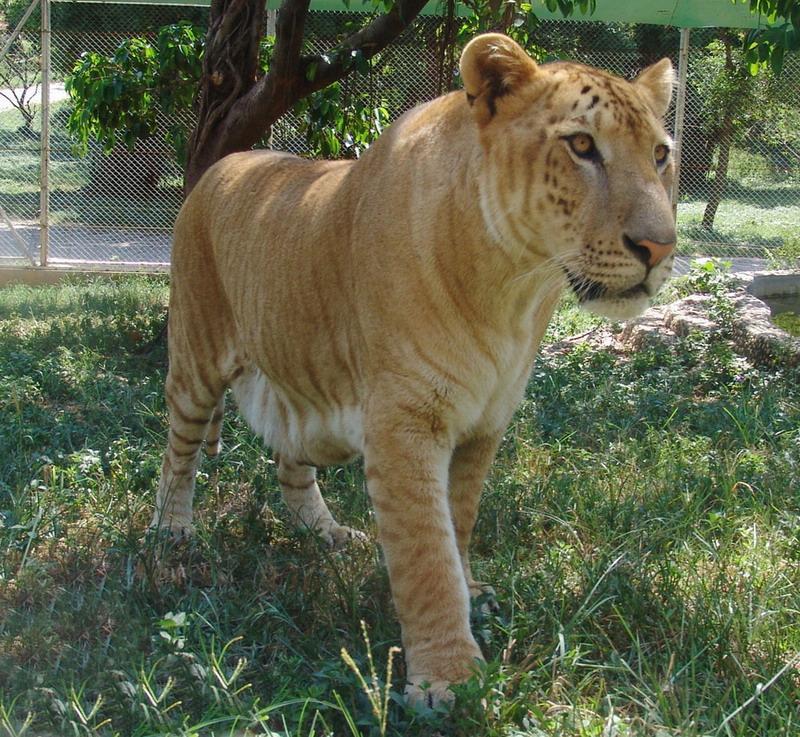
(587, 290)
(640, 290)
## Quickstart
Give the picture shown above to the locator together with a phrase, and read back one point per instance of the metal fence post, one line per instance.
(680, 112)
(44, 198)
(13, 37)
(272, 16)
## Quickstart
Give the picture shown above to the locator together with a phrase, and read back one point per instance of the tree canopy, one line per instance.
(241, 83)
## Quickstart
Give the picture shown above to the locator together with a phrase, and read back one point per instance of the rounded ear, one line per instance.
(656, 82)
(492, 66)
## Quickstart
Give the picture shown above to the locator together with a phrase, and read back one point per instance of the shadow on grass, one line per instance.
(773, 194)
(92, 205)
(765, 197)
(750, 245)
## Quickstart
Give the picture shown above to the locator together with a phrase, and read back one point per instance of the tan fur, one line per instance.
(393, 306)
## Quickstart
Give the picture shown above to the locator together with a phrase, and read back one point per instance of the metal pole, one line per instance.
(272, 16)
(13, 36)
(680, 112)
(44, 200)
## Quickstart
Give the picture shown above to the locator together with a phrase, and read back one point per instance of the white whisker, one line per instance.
(552, 266)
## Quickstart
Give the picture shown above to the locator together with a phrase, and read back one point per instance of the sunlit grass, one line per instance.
(640, 526)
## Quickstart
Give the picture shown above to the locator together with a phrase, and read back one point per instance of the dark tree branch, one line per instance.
(288, 38)
(317, 72)
(235, 112)
(230, 68)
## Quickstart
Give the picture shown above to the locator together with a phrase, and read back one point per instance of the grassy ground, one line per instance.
(93, 190)
(640, 526)
(757, 218)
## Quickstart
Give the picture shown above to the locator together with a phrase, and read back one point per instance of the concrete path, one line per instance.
(103, 247)
(34, 94)
(87, 247)
(682, 265)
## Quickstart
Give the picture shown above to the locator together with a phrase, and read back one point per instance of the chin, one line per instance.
(617, 308)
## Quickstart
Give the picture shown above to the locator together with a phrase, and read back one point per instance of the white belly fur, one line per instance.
(298, 431)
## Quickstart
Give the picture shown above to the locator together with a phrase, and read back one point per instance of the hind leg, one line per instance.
(191, 410)
(308, 509)
(214, 431)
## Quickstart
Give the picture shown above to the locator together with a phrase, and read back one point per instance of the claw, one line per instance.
(423, 693)
(341, 536)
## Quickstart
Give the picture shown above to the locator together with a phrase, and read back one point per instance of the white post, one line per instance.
(272, 16)
(13, 37)
(44, 199)
(680, 112)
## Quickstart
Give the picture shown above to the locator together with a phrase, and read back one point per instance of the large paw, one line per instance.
(484, 596)
(176, 529)
(166, 549)
(425, 692)
(337, 537)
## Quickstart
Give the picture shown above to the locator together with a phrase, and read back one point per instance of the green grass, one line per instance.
(757, 217)
(788, 321)
(741, 228)
(640, 525)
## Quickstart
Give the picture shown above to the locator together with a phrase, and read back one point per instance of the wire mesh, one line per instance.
(402, 76)
(114, 208)
(740, 185)
(19, 149)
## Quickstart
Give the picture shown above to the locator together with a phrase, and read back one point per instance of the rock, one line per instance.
(690, 315)
(748, 324)
(647, 331)
(756, 336)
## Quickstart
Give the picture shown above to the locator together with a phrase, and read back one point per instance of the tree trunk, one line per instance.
(720, 172)
(238, 104)
(724, 142)
(230, 69)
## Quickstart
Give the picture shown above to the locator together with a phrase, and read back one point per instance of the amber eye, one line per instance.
(661, 153)
(582, 144)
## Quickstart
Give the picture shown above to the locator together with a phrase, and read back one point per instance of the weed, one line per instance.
(639, 526)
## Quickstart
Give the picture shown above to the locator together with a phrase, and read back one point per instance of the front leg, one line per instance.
(468, 469)
(407, 463)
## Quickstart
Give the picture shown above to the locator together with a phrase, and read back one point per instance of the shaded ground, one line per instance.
(639, 526)
(90, 246)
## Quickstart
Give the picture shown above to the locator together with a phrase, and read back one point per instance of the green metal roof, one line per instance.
(679, 13)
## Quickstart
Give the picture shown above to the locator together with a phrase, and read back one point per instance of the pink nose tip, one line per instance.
(657, 251)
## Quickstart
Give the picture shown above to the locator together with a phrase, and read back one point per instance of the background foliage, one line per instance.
(119, 97)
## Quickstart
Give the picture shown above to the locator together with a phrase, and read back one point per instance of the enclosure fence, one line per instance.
(739, 136)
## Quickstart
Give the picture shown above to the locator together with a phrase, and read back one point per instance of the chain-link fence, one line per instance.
(740, 185)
